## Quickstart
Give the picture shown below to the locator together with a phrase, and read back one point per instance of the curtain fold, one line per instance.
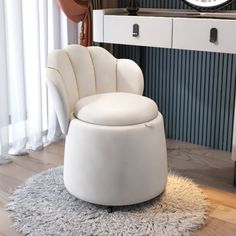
(96, 4)
(4, 115)
(29, 30)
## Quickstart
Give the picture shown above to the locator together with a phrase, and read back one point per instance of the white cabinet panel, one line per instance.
(194, 34)
(98, 26)
(153, 31)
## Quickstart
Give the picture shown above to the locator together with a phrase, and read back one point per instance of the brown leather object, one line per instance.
(79, 10)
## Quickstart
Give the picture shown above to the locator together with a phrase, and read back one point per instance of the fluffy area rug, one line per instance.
(42, 206)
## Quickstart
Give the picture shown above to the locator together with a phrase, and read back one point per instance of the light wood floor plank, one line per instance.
(225, 213)
(5, 224)
(215, 227)
(220, 197)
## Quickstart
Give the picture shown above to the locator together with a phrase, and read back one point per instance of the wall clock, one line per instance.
(208, 4)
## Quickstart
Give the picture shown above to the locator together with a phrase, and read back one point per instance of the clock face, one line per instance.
(207, 4)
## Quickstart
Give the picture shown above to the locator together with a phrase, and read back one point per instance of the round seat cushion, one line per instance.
(116, 109)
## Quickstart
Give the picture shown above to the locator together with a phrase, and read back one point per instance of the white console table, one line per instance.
(177, 29)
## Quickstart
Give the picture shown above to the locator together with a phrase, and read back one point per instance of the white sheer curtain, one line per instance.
(29, 29)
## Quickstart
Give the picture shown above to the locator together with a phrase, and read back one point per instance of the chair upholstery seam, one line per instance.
(95, 77)
(117, 74)
(74, 73)
(67, 93)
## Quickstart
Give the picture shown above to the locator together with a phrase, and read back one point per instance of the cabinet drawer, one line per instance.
(194, 34)
(153, 31)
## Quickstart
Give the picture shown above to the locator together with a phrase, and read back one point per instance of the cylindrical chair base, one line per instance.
(116, 165)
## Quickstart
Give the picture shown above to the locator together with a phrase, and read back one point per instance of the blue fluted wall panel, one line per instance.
(195, 91)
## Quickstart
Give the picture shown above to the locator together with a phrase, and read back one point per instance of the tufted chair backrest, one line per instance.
(76, 72)
(86, 71)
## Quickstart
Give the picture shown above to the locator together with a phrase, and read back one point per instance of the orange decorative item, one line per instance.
(79, 10)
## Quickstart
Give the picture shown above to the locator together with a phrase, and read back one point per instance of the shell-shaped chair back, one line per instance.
(77, 72)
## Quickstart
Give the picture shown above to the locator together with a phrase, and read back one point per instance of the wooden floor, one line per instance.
(211, 169)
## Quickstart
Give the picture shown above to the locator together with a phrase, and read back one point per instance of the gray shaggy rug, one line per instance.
(42, 206)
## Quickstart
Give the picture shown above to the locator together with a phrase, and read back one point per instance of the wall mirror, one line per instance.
(208, 4)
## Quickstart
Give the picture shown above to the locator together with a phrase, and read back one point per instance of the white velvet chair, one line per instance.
(115, 152)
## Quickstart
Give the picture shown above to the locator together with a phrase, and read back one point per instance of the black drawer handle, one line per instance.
(135, 30)
(213, 35)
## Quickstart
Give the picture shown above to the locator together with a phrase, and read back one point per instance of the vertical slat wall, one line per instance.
(195, 91)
